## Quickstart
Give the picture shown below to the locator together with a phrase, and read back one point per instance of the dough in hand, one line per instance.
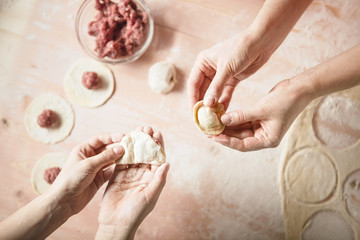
(65, 118)
(47, 161)
(207, 119)
(82, 96)
(141, 148)
(162, 77)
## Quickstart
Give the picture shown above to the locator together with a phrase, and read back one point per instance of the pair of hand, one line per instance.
(131, 192)
(214, 77)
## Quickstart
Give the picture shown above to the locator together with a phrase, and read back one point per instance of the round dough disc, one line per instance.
(162, 77)
(80, 95)
(351, 195)
(65, 116)
(141, 148)
(49, 160)
(310, 176)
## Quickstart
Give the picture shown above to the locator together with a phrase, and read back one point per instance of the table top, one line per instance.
(212, 192)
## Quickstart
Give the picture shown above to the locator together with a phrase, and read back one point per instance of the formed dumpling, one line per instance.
(162, 77)
(208, 118)
(141, 148)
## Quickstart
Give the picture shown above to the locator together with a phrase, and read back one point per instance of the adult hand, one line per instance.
(264, 125)
(83, 173)
(219, 69)
(130, 196)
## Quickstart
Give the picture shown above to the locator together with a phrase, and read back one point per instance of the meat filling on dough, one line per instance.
(91, 80)
(51, 174)
(47, 119)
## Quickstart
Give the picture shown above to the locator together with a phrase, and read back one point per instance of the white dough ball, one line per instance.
(162, 77)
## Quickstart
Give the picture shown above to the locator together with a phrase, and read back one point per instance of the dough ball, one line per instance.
(47, 161)
(310, 176)
(64, 113)
(162, 77)
(83, 96)
(207, 119)
(141, 148)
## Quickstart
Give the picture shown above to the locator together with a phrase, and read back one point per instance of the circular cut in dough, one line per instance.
(64, 113)
(208, 118)
(141, 148)
(327, 225)
(162, 77)
(49, 160)
(310, 176)
(336, 121)
(78, 93)
(352, 195)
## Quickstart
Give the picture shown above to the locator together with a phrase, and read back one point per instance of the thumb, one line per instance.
(216, 87)
(106, 157)
(235, 118)
(157, 183)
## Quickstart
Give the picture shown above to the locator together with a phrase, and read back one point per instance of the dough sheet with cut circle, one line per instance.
(65, 118)
(141, 148)
(78, 93)
(336, 121)
(320, 173)
(310, 164)
(49, 160)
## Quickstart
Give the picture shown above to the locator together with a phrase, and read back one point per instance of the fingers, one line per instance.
(239, 117)
(157, 183)
(227, 95)
(243, 145)
(105, 158)
(216, 87)
(157, 136)
(240, 134)
(194, 83)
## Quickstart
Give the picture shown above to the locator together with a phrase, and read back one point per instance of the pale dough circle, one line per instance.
(64, 113)
(336, 121)
(207, 119)
(50, 160)
(78, 93)
(162, 77)
(351, 195)
(310, 176)
(327, 225)
(141, 148)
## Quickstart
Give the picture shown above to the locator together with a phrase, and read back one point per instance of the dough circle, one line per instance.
(55, 159)
(207, 119)
(162, 77)
(80, 95)
(63, 110)
(336, 121)
(327, 225)
(141, 148)
(310, 164)
(351, 195)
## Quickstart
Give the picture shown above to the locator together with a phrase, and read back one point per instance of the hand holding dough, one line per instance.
(142, 148)
(208, 118)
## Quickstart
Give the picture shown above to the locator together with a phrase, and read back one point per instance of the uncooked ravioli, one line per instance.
(141, 148)
(64, 114)
(82, 96)
(207, 119)
(45, 162)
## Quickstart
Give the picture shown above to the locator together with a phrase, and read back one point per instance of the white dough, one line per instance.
(49, 160)
(141, 148)
(162, 77)
(63, 110)
(207, 119)
(78, 93)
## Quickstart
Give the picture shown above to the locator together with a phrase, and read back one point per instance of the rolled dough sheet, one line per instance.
(80, 95)
(141, 148)
(313, 178)
(65, 116)
(49, 160)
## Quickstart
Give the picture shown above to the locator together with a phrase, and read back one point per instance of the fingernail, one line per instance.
(226, 119)
(209, 101)
(119, 150)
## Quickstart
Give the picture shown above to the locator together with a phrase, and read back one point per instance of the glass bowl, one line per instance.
(87, 13)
